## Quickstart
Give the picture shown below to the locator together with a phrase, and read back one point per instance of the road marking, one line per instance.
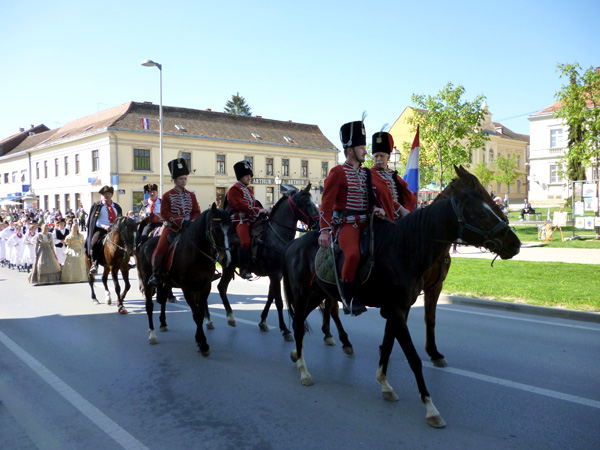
(545, 322)
(98, 418)
(514, 385)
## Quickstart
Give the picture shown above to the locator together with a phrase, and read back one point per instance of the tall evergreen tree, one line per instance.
(237, 105)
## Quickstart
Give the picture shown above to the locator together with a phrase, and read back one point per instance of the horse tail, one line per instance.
(287, 289)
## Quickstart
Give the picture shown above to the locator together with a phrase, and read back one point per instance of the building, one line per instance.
(502, 141)
(67, 166)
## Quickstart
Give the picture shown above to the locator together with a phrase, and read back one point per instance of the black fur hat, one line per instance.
(353, 134)
(178, 167)
(242, 168)
(150, 187)
(382, 142)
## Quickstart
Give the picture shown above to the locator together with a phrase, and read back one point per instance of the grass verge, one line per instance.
(562, 285)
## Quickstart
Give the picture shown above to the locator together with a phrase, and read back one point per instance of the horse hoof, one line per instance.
(122, 311)
(231, 321)
(109, 302)
(288, 337)
(294, 356)
(348, 350)
(153, 341)
(204, 352)
(165, 328)
(439, 362)
(329, 341)
(263, 326)
(307, 381)
(436, 421)
(210, 325)
(95, 302)
(390, 396)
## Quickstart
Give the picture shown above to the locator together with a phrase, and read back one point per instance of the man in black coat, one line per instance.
(102, 215)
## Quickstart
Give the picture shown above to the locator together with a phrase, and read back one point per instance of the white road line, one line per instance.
(500, 316)
(98, 418)
(514, 385)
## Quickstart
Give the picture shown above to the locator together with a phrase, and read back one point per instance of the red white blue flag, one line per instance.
(411, 174)
(145, 123)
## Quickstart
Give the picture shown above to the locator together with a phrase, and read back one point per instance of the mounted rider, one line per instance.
(100, 220)
(150, 208)
(381, 149)
(245, 209)
(347, 202)
(178, 207)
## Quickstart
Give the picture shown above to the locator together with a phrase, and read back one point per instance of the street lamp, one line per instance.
(278, 183)
(150, 63)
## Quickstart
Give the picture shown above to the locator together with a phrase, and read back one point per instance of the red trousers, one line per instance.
(349, 238)
(243, 232)
(163, 244)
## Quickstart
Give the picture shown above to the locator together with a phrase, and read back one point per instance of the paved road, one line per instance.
(74, 375)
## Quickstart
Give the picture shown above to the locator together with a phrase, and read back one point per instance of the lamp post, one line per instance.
(150, 63)
(278, 183)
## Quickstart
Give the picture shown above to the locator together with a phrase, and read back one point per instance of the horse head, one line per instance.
(481, 222)
(124, 232)
(218, 223)
(304, 209)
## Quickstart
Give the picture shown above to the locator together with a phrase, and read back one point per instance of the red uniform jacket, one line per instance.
(176, 206)
(346, 189)
(398, 188)
(244, 207)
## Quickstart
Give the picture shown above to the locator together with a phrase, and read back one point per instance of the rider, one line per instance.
(102, 215)
(348, 199)
(381, 149)
(245, 209)
(178, 207)
(150, 207)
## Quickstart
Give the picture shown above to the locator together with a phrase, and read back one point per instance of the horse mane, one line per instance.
(278, 204)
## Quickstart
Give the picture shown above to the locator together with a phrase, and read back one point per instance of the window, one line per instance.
(141, 159)
(57, 202)
(66, 165)
(554, 176)
(285, 167)
(269, 167)
(37, 170)
(77, 163)
(95, 161)
(45, 169)
(270, 195)
(304, 169)
(6, 178)
(518, 186)
(324, 169)
(137, 198)
(46, 202)
(77, 200)
(498, 188)
(55, 167)
(491, 156)
(555, 138)
(220, 197)
(67, 202)
(483, 156)
(221, 165)
(518, 161)
(23, 176)
(188, 159)
(14, 177)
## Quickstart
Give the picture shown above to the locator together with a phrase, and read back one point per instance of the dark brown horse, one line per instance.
(403, 253)
(200, 246)
(118, 248)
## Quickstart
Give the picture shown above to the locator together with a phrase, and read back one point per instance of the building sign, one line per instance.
(94, 180)
(295, 182)
(263, 180)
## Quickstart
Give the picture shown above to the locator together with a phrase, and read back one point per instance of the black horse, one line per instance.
(403, 252)
(200, 246)
(279, 230)
(114, 256)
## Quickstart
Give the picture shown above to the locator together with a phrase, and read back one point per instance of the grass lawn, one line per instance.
(529, 233)
(563, 285)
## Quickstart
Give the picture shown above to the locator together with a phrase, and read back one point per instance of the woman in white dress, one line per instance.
(29, 242)
(74, 269)
(15, 243)
(46, 269)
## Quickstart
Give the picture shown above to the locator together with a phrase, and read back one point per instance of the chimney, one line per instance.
(208, 109)
(21, 130)
(258, 117)
(147, 103)
(31, 125)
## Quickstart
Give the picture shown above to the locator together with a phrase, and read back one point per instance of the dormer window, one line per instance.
(256, 136)
(89, 128)
(289, 139)
(181, 128)
(64, 135)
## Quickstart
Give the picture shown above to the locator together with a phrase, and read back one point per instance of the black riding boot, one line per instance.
(244, 263)
(94, 266)
(351, 305)
(156, 266)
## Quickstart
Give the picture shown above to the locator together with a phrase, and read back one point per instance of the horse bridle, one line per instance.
(216, 249)
(123, 249)
(299, 215)
(489, 242)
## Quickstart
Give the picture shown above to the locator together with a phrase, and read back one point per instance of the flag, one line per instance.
(145, 123)
(411, 174)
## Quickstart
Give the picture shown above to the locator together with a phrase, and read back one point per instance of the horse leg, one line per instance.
(115, 276)
(325, 326)
(91, 279)
(162, 296)
(193, 299)
(125, 273)
(398, 319)
(333, 308)
(431, 299)
(385, 350)
(107, 298)
(148, 293)
(222, 287)
(275, 294)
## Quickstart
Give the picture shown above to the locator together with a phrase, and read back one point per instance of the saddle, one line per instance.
(257, 231)
(329, 262)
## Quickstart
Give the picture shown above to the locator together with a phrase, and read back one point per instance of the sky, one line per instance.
(315, 62)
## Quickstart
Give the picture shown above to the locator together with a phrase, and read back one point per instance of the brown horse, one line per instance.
(118, 248)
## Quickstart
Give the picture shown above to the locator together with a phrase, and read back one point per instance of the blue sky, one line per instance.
(317, 62)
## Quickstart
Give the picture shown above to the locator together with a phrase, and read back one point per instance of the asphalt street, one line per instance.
(74, 375)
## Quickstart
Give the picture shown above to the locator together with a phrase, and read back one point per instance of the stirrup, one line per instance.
(153, 281)
(94, 268)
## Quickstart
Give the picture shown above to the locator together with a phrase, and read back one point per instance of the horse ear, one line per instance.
(214, 208)
(307, 188)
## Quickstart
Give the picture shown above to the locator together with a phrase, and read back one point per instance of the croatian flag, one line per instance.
(411, 174)
(145, 123)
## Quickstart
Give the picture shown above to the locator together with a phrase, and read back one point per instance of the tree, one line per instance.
(580, 110)
(507, 170)
(484, 173)
(237, 105)
(450, 131)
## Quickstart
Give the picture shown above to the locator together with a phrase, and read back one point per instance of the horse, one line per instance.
(279, 230)
(403, 252)
(203, 243)
(433, 282)
(118, 248)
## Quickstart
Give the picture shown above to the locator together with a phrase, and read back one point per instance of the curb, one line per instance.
(519, 307)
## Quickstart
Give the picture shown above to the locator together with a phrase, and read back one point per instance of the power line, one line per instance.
(520, 115)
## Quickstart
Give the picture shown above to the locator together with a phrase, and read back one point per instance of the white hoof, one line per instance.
(163, 329)
(210, 325)
(434, 419)
(231, 320)
(294, 356)
(152, 339)
(263, 326)
(107, 298)
(329, 341)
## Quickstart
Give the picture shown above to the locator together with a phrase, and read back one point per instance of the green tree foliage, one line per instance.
(450, 131)
(237, 105)
(507, 170)
(580, 110)
(484, 173)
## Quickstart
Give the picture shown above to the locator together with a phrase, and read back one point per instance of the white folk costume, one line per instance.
(5, 235)
(29, 242)
(59, 236)
(15, 243)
